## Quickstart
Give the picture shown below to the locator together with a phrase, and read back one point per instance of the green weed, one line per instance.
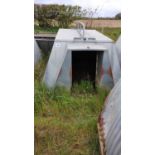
(38, 29)
(65, 122)
(84, 87)
(112, 33)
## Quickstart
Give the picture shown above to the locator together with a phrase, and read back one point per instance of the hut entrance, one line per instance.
(84, 66)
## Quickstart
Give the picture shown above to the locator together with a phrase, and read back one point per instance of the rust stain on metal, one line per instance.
(110, 72)
(102, 72)
(101, 134)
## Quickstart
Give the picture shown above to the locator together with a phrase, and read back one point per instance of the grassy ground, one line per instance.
(65, 122)
(38, 29)
(112, 33)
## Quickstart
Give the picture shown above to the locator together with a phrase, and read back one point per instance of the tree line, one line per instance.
(61, 15)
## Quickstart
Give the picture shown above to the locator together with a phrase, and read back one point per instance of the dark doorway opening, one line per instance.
(84, 66)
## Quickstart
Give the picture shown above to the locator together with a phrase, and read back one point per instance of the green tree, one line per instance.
(63, 14)
(118, 16)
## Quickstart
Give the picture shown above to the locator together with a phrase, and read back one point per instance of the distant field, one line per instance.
(102, 23)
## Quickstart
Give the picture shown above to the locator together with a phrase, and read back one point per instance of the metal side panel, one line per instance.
(118, 44)
(115, 65)
(54, 65)
(118, 47)
(37, 52)
(107, 79)
(64, 77)
(112, 106)
(110, 122)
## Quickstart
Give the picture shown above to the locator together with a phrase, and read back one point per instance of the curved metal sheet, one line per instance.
(110, 121)
(118, 47)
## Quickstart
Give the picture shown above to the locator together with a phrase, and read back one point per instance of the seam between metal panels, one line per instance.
(101, 134)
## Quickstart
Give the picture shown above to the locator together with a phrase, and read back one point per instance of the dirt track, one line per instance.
(102, 23)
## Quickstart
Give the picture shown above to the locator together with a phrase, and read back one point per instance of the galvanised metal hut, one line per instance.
(80, 54)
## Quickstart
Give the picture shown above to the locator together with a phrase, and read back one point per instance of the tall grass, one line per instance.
(38, 29)
(84, 87)
(65, 122)
(112, 33)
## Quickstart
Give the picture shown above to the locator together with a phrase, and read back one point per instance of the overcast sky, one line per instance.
(106, 8)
